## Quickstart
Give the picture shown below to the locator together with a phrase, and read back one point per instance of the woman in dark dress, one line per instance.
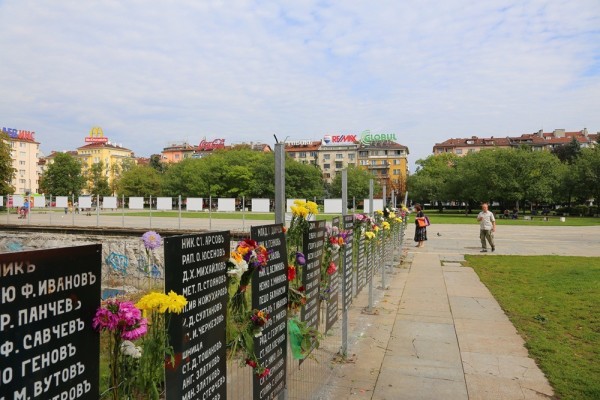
(420, 233)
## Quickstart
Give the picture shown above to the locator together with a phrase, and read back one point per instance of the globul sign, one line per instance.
(19, 134)
(366, 137)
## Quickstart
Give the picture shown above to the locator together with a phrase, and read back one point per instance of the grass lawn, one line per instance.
(554, 304)
(437, 218)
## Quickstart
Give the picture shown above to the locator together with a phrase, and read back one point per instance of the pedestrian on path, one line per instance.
(487, 227)
(420, 228)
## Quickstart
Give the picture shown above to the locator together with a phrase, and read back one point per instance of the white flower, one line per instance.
(130, 349)
(239, 269)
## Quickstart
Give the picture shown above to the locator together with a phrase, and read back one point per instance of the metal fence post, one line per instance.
(383, 241)
(179, 205)
(371, 251)
(344, 288)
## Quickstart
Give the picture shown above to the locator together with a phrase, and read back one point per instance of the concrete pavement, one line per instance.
(439, 333)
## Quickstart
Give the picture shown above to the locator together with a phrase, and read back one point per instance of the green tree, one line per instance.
(97, 180)
(7, 171)
(140, 180)
(568, 153)
(157, 164)
(303, 180)
(430, 182)
(358, 184)
(587, 169)
(240, 172)
(509, 176)
(63, 177)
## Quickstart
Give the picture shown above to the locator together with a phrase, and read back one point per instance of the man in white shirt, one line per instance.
(487, 225)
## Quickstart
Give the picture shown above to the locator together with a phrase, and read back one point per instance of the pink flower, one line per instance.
(137, 331)
(105, 319)
(331, 268)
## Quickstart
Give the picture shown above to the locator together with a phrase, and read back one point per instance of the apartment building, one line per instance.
(100, 150)
(387, 162)
(380, 154)
(25, 153)
(538, 141)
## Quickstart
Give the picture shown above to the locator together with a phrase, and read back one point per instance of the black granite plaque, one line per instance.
(195, 266)
(48, 299)
(270, 294)
(348, 262)
(370, 249)
(334, 285)
(361, 267)
(311, 272)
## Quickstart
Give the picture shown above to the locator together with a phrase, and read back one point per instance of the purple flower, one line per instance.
(152, 240)
(300, 258)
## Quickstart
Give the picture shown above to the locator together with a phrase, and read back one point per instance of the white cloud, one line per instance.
(244, 70)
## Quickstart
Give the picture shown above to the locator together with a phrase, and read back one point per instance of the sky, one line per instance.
(154, 73)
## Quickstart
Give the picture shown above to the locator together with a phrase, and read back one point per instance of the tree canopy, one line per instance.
(507, 176)
(139, 180)
(239, 172)
(7, 171)
(63, 177)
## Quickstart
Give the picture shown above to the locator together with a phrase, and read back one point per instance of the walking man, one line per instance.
(487, 226)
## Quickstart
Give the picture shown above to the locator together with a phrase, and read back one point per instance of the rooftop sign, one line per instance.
(96, 136)
(215, 144)
(299, 142)
(339, 139)
(19, 134)
(366, 137)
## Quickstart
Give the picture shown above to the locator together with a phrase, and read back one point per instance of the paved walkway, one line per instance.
(440, 334)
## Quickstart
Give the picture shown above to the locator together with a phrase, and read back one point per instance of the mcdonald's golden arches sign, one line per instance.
(96, 136)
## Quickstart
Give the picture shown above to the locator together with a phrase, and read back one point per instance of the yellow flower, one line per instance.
(392, 215)
(237, 257)
(386, 225)
(379, 212)
(376, 228)
(312, 207)
(162, 303)
(369, 235)
(177, 302)
(300, 203)
(398, 219)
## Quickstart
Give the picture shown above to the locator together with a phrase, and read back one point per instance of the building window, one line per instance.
(22, 163)
(373, 162)
(326, 156)
(363, 154)
(364, 162)
(22, 154)
(351, 156)
(458, 151)
(22, 172)
(22, 144)
(292, 155)
(351, 164)
(302, 154)
(339, 164)
(177, 156)
(339, 156)
(396, 172)
(326, 166)
(327, 175)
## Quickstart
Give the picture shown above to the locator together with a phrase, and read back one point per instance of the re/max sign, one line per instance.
(19, 134)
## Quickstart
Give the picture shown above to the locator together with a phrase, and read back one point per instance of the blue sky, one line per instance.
(151, 73)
